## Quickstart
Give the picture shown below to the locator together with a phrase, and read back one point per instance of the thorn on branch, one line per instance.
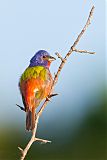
(20, 107)
(52, 95)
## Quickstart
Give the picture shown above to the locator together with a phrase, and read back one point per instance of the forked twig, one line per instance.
(63, 61)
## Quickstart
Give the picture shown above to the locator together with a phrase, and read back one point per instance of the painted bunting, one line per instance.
(35, 84)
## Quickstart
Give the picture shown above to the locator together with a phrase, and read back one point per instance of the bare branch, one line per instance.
(42, 108)
(63, 61)
(82, 51)
(73, 46)
(85, 27)
(24, 152)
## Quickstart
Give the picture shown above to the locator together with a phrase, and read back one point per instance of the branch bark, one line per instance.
(63, 61)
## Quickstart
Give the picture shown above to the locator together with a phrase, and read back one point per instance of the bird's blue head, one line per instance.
(41, 58)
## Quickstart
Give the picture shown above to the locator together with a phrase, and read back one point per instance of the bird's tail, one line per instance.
(30, 119)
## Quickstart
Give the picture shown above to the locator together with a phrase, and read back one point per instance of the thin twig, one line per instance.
(63, 61)
(24, 151)
(42, 140)
(83, 51)
(59, 56)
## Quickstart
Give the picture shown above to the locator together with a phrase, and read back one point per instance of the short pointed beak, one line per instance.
(52, 58)
(49, 58)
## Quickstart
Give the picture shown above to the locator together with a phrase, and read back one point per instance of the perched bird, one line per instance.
(35, 84)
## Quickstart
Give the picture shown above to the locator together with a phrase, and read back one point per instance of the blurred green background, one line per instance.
(75, 121)
(86, 141)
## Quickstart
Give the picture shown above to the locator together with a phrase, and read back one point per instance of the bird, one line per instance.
(35, 85)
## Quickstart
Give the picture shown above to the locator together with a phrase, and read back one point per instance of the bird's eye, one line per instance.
(44, 56)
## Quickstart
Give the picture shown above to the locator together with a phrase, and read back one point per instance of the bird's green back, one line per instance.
(34, 72)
